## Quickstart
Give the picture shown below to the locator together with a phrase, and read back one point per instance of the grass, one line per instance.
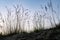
(49, 34)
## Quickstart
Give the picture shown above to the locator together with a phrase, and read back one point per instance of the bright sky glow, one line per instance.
(33, 5)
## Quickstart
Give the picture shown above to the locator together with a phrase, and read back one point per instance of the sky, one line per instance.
(32, 5)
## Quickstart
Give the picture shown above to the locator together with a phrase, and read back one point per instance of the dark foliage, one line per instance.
(48, 34)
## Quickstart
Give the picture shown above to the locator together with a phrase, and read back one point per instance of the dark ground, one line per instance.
(49, 34)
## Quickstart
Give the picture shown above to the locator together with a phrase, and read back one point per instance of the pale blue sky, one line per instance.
(30, 4)
(33, 5)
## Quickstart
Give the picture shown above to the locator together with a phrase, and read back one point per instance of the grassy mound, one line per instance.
(48, 34)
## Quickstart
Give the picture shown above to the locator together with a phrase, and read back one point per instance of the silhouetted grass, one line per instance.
(48, 34)
(41, 34)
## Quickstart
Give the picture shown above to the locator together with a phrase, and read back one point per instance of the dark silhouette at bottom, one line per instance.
(48, 34)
